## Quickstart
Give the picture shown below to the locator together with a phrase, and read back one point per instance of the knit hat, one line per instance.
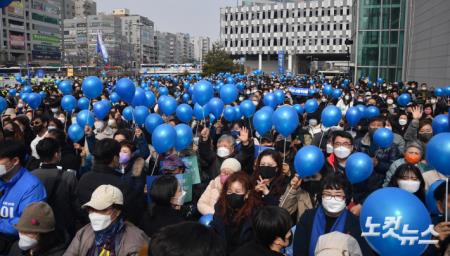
(232, 164)
(105, 196)
(336, 243)
(415, 144)
(36, 218)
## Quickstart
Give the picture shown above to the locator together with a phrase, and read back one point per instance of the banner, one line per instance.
(101, 49)
(281, 62)
(17, 41)
(16, 8)
(299, 91)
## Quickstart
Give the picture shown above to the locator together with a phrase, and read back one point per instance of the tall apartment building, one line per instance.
(202, 45)
(85, 8)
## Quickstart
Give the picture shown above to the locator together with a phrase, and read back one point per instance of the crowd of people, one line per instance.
(112, 192)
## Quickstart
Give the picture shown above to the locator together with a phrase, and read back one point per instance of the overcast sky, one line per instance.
(196, 17)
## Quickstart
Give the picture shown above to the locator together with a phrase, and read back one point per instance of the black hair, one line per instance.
(41, 117)
(342, 134)
(404, 169)
(439, 192)
(269, 223)
(46, 149)
(11, 149)
(105, 151)
(336, 181)
(378, 119)
(58, 135)
(126, 133)
(163, 189)
(187, 239)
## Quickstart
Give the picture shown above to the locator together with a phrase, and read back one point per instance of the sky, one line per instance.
(196, 17)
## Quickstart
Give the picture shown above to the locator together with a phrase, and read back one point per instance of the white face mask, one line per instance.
(312, 122)
(347, 97)
(342, 152)
(332, 205)
(180, 200)
(409, 185)
(433, 101)
(26, 243)
(99, 221)
(111, 122)
(390, 101)
(223, 152)
(63, 120)
(54, 110)
(51, 127)
(329, 148)
(255, 103)
(402, 122)
(241, 98)
(99, 125)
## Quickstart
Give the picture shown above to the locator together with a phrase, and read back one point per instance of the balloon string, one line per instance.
(154, 165)
(284, 198)
(446, 199)
(284, 151)
(321, 138)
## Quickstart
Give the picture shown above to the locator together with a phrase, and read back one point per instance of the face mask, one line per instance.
(332, 205)
(433, 101)
(313, 186)
(223, 152)
(54, 110)
(99, 221)
(267, 172)
(99, 125)
(255, 102)
(235, 134)
(20, 105)
(390, 101)
(347, 97)
(412, 158)
(37, 129)
(180, 199)
(236, 201)
(342, 152)
(312, 122)
(124, 158)
(51, 127)
(223, 178)
(402, 122)
(330, 148)
(62, 119)
(74, 120)
(425, 137)
(409, 185)
(26, 243)
(324, 100)
(111, 122)
(241, 98)
(3, 170)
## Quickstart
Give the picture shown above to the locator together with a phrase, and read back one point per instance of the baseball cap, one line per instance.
(105, 196)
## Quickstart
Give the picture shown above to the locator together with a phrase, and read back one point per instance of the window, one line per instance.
(340, 26)
(342, 11)
(347, 26)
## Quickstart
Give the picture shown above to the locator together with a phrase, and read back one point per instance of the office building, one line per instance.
(202, 45)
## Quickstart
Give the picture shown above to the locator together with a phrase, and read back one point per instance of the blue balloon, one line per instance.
(206, 220)
(229, 114)
(437, 148)
(184, 137)
(43, 94)
(140, 114)
(184, 113)
(12, 92)
(279, 96)
(270, 100)
(34, 100)
(126, 89)
(128, 113)
(429, 197)
(328, 90)
(337, 93)
(353, 116)
(75, 132)
(404, 99)
(65, 87)
(299, 108)
(167, 105)
(92, 87)
(394, 202)
(247, 108)
(24, 96)
(68, 103)
(285, 120)
(114, 97)
(139, 97)
(163, 91)
(101, 109)
(383, 137)
(27, 89)
(203, 92)
(186, 85)
(17, 76)
(85, 117)
(372, 112)
(362, 110)
(152, 121)
(439, 92)
(156, 84)
(237, 113)
(440, 124)
(3, 104)
(215, 105)
(228, 93)
(262, 120)
(40, 73)
(163, 138)
(331, 116)
(186, 98)
(311, 106)
(359, 167)
(447, 91)
(150, 99)
(83, 103)
(308, 161)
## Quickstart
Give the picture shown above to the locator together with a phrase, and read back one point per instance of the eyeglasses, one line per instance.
(345, 144)
(338, 198)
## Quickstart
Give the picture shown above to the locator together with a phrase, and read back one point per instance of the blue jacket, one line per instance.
(22, 190)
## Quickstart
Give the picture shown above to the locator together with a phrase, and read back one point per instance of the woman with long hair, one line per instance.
(409, 177)
(232, 217)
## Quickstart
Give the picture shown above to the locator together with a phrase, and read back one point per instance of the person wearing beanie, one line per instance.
(414, 152)
(37, 232)
(107, 233)
(209, 198)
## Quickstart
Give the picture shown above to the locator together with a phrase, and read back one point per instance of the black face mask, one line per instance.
(312, 187)
(425, 137)
(8, 133)
(236, 201)
(267, 172)
(37, 129)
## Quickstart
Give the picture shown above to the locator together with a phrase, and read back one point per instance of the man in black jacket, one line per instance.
(60, 185)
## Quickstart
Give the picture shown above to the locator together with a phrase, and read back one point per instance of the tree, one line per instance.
(217, 60)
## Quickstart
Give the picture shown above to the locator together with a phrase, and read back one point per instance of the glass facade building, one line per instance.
(380, 39)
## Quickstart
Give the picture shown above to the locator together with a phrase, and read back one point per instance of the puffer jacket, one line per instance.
(209, 198)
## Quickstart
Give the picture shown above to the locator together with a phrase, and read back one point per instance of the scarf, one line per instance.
(105, 240)
(319, 224)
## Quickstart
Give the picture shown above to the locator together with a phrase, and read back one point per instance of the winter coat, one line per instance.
(205, 204)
